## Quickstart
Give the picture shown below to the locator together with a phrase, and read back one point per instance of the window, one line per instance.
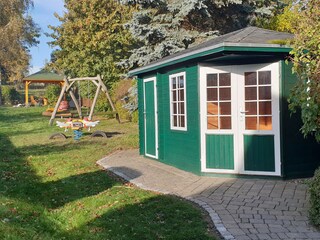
(219, 101)
(258, 102)
(178, 101)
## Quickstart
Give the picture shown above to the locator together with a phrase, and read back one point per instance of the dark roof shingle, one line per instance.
(249, 35)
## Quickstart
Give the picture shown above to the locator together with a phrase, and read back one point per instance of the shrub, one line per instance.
(10, 95)
(314, 190)
(135, 116)
(124, 94)
(102, 104)
(52, 94)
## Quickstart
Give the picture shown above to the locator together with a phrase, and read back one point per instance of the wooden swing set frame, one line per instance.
(67, 88)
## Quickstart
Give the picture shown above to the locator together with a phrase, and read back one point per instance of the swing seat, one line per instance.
(63, 114)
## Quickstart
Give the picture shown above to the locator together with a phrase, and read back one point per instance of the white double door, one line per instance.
(239, 108)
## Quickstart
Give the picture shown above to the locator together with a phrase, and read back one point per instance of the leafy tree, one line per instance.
(17, 33)
(306, 63)
(91, 38)
(285, 17)
(164, 27)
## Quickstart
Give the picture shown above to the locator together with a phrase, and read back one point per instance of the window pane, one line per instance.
(212, 122)
(174, 108)
(250, 78)
(265, 123)
(225, 122)
(251, 108)
(181, 95)
(175, 120)
(212, 94)
(212, 108)
(251, 123)
(225, 108)
(251, 93)
(181, 108)
(182, 121)
(265, 93)
(181, 82)
(225, 93)
(212, 80)
(224, 79)
(174, 83)
(265, 108)
(265, 77)
(174, 95)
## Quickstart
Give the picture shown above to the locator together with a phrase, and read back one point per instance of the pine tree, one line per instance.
(164, 27)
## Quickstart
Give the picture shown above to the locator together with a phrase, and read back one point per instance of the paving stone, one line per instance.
(301, 218)
(277, 229)
(297, 235)
(248, 216)
(278, 222)
(253, 236)
(256, 221)
(274, 236)
(244, 237)
(313, 235)
(268, 217)
(257, 216)
(245, 220)
(236, 231)
(263, 230)
(285, 218)
(282, 236)
(263, 236)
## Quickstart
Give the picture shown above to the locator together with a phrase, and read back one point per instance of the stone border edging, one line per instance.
(214, 218)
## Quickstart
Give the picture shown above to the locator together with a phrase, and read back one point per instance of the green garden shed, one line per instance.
(221, 108)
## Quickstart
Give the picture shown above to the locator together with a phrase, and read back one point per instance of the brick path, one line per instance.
(239, 208)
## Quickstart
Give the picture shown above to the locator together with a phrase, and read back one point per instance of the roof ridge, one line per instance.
(244, 33)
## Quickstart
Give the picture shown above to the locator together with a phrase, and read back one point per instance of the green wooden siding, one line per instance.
(179, 148)
(259, 153)
(150, 133)
(300, 156)
(220, 151)
(141, 116)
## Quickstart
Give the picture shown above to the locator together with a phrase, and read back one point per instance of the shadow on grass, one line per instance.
(33, 209)
(18, 179)
(18, 116)
(20, 183)
(158, 217)
(132, 217)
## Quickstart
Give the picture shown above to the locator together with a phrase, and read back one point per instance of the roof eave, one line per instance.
(211, 50)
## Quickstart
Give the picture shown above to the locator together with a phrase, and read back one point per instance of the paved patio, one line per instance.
(239, 208)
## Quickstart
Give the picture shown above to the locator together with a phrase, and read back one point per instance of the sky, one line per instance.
(42, 14)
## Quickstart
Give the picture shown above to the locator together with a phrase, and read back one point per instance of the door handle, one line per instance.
(243, 112)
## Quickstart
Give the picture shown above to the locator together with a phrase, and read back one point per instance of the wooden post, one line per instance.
(105, 89)
(74, 99)
(27, 92)
(53, 115)
(94, 102)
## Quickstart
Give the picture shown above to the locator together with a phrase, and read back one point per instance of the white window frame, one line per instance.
(219, 115)
(176, 75)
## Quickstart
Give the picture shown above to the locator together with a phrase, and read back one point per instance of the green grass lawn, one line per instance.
(52, 189)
